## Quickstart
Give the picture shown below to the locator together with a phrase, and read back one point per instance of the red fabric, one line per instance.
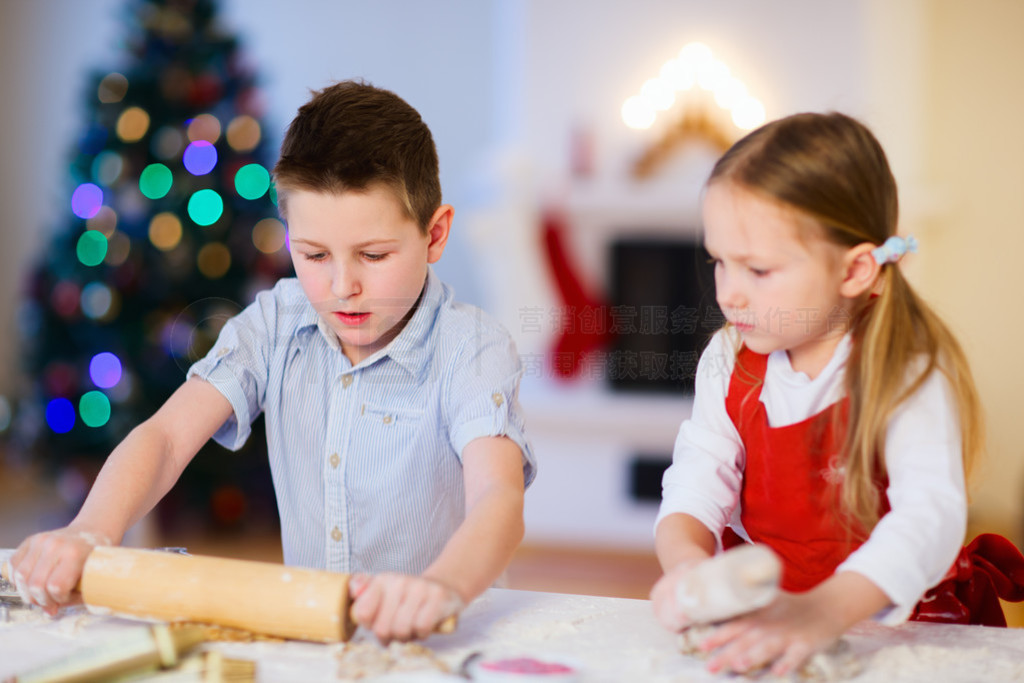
(573, 344)
(788, 501)
(988, 568)
(788, 504)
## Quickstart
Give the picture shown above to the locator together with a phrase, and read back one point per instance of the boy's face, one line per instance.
(361, 261)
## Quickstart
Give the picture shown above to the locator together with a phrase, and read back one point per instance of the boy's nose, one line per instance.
(345, 283)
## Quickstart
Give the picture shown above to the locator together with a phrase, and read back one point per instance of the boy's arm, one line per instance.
(482, 546)
(400, 607)
(136, 475)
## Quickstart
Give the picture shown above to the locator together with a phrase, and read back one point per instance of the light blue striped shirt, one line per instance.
(366, 460)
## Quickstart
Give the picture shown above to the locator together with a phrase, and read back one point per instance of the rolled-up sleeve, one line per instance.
(706, 474)
(238, 366)
(482, 395)
(914, 545)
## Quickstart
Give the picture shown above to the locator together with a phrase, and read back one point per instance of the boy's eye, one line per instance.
(759, 272)
(318, 256)
(373, 256)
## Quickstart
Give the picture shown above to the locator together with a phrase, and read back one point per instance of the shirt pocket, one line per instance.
(387, 433)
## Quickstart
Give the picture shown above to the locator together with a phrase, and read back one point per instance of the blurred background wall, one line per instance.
(510, 87)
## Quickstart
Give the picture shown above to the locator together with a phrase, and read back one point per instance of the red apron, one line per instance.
(789, 501)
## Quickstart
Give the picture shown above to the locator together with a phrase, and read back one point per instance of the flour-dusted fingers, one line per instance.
(793, 659)
(368, 597)
(392, 588)
(440, 602)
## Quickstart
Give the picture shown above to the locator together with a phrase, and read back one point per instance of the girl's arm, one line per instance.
(137, 474)
(400, 607)
(681, 542)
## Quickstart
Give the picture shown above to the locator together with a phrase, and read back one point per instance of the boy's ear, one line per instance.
(861, 271)
(437, 232)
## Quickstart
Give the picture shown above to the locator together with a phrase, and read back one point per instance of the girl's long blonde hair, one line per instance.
(831, 168)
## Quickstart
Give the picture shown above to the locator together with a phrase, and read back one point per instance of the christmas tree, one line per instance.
(171, 229)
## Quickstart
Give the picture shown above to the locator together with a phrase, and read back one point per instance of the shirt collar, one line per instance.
(409, 349)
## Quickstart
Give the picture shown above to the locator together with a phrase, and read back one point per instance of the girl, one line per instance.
(835, 414)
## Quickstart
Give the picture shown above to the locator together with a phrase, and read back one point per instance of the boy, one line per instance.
(396, 445)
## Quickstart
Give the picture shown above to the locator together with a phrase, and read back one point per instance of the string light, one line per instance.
(105, 370)
(252, 181)
(94, 407)
(695, 66)
(200, 157)
(205, 207)
(112, 88)
(214, 260)
(86, 200)
(244, 133)
(165, 231)
(60, 415)
(155, 181)
(268, 235)
(91, 248)
(132, 124)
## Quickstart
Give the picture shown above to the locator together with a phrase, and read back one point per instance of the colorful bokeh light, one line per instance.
(252, 181)
(204, 127)
(268, 235)
(165, 231)
(94, 407)
(200, 157)
(97, 299)
(86, 200)
(105, 370)
(244, 133)
(205, 207)
(214, 260)
(105, 221)
(91, 248)
(132, 124)
(60, 415)
(107, 167)
(112, 88)
(155, 181)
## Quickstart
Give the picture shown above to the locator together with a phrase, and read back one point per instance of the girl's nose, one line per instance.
(727, 293)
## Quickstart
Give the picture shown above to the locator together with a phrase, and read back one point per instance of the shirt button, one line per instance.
(223, 351)
(336, 534)
(346, 381)
(498, 399)
(335, 459)
(387, 419)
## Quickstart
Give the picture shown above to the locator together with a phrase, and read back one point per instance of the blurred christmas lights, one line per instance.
(695, 66)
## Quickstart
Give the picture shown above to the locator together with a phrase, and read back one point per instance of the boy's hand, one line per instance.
(47, 566)
(401, 607)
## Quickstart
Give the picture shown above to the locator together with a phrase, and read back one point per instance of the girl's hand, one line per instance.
(47, 566)
(401, 607)
(663, 597)
(782, 636)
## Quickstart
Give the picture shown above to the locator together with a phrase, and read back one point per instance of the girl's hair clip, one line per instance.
(894, 248)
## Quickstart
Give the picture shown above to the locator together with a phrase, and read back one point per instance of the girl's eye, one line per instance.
(759, 272)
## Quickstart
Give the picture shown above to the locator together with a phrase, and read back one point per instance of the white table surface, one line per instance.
(608, 639)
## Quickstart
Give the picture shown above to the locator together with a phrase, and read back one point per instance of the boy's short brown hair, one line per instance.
(352, 136)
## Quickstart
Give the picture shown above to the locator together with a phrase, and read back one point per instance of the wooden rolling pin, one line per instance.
(262, 597)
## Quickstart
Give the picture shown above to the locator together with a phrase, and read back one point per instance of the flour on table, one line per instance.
(368, 659)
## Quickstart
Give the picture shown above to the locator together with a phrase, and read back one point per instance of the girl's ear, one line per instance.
(861, 271)
(437, 232)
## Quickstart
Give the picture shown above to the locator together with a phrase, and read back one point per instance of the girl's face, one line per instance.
(777, 279)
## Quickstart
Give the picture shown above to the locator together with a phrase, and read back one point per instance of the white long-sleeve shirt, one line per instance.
(911, 547)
